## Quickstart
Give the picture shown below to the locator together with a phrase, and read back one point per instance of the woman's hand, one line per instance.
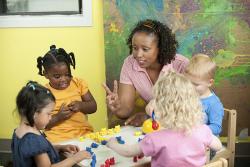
(136, 119)
(112, 98)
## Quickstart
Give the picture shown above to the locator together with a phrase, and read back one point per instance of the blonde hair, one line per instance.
(177, 104)
(201, 66)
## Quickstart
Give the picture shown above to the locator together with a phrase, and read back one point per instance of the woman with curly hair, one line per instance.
(184, 137)
(152, 52)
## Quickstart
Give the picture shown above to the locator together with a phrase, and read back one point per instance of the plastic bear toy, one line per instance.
(150, 125)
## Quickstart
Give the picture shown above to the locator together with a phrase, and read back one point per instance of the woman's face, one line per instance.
(59, 76)
(145, 49)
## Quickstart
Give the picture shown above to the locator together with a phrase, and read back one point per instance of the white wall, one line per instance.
(42, 5)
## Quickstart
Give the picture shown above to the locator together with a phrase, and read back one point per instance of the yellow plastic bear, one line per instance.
(147, 126)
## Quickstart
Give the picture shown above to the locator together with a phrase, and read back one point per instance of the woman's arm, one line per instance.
(127, 96)
(120, 101)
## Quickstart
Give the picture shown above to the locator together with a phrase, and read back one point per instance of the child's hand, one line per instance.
(70, 148)
(64, 112)
(150, 107)
(112, 141)
(81, 155)
(75, 106)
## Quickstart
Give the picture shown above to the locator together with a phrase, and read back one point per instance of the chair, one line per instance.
(229, 151)
(221, 162)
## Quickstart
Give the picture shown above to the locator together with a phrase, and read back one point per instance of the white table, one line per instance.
(102, 152)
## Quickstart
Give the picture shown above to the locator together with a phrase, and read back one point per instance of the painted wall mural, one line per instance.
(219, 28)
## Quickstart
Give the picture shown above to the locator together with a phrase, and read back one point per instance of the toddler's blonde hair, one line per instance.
(201, 66)
(177, 104)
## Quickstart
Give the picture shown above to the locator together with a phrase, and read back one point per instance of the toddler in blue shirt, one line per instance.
(201, 71)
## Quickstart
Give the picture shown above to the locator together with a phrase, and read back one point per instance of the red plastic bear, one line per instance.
(155, 125)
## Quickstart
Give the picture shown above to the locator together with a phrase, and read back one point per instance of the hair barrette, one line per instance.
(53, 49)
(151, 25)
(32, 86)
(148, 25)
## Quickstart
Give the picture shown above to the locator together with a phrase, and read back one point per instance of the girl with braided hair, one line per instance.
(73, 98)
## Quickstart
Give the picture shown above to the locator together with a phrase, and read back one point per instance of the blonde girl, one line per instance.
(184, 138)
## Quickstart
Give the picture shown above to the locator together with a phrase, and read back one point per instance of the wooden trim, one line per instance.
(229, 152)
(221, 162)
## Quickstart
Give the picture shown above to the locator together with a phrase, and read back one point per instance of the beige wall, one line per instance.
(19, 48)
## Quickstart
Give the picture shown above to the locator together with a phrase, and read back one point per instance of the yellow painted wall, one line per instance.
(19, 48)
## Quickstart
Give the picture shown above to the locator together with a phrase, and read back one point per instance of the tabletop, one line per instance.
(103, 153)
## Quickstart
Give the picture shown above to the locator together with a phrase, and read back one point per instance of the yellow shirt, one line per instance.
(77, 125)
